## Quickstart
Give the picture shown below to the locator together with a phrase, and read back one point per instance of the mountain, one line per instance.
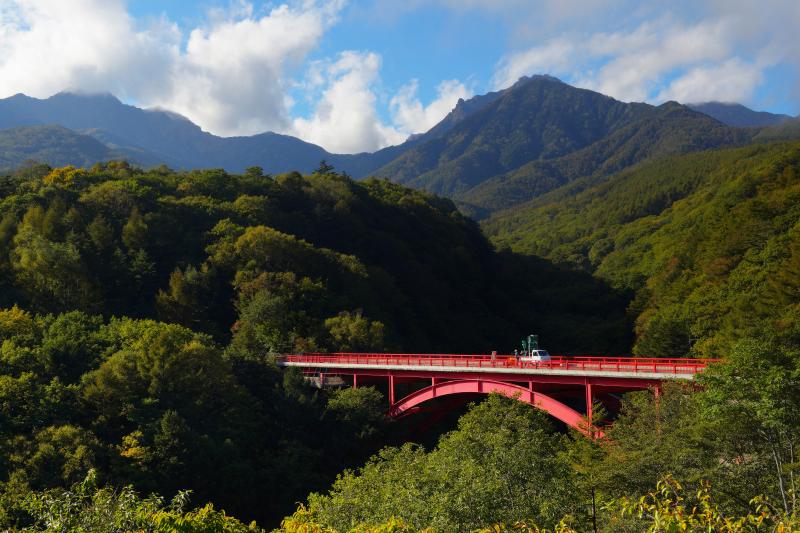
(738, 115)
(538, 118)
(491, 152)
(668, 129)
(695, 237)
(156, 136)
(54, 144)
(151, 136)
(787, 130)
(541, 134)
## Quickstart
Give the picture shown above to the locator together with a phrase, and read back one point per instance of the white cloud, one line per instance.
(411, 116)
(642, 59)
(554, 57)
(230, 78)
(345, 119)
(732, 81)
(718, 49)
(638, 65)
(49, 45)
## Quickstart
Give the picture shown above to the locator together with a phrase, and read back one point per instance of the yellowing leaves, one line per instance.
(15, 321)
(68, 176)
(133, 448)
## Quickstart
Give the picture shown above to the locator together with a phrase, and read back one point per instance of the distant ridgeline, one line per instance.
(490, 153)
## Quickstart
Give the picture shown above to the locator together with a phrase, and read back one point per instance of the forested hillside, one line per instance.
(667, 130)
(141, 309)
(708, 241)
(211, 251)
(49, 143)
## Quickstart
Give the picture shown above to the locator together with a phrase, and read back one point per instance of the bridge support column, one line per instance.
(391, 390)
(657, 397)
(589, 401)
(321, 380)
(355, 381)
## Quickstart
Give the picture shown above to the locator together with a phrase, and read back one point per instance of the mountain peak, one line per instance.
(81, 95)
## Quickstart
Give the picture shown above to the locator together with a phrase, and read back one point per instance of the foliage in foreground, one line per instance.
(86, 508)
(670, 508)
(500, 464)
(89, 509)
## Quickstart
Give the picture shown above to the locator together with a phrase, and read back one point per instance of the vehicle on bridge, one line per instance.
(531, 351)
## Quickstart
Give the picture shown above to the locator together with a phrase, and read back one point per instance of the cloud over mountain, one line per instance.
(230, 76)
(254, 66)
(708, 50)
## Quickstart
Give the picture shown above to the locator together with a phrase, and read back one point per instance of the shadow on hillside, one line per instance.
(573, 312)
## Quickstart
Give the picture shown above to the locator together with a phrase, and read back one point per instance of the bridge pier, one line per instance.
(589, 400)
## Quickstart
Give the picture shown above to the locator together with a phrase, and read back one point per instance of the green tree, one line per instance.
(500, 465)
(87, 508)
(51, 274)
(352, 332)
(101, 233)
(651, 438)
(752, 404)
(134, 232)
(362, 408)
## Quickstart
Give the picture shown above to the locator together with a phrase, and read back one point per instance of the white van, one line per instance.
(535, 356)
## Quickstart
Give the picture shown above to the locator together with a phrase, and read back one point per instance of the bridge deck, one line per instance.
(616, 367)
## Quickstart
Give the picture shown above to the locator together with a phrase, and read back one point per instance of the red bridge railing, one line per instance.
(582, 363)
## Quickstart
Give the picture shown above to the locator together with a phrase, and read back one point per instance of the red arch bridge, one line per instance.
(565, 387)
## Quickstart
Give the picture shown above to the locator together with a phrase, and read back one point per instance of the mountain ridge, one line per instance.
(541, 134)
(175, 138)
(737, 115)
(489, 153)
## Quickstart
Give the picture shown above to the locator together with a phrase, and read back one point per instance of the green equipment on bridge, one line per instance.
(530, 344)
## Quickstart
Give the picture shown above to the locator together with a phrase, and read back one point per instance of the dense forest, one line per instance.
(273, 260)
(708, 242)
(140, 310)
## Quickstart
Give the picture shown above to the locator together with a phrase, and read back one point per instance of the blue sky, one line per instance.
(356, 75)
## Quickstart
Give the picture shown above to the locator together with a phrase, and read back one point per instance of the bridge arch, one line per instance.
(550, 405)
